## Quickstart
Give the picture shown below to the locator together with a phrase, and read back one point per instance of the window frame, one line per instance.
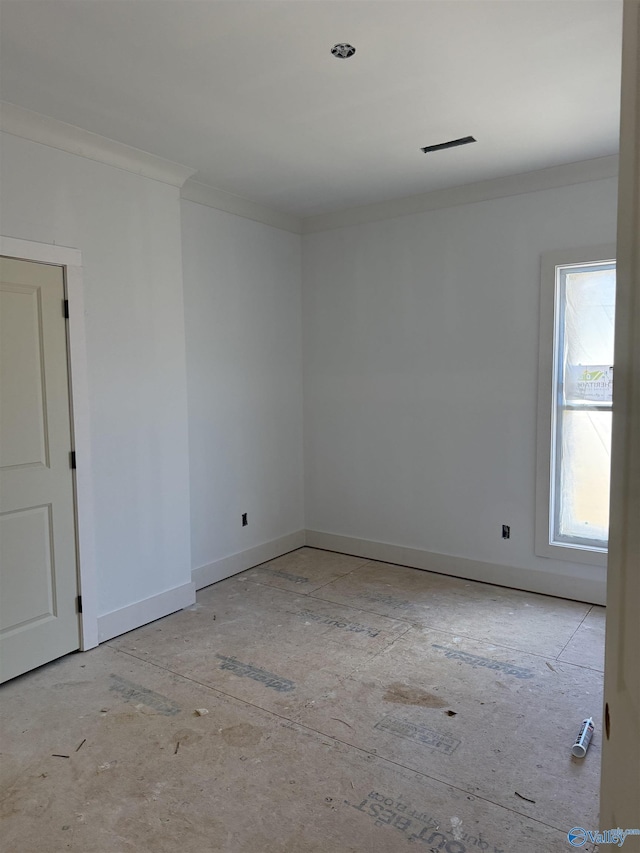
(546, 428)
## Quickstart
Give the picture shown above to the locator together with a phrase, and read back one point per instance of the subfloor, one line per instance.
(319, 703)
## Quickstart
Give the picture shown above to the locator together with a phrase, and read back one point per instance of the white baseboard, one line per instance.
(135, 615)
(228, 566)
(592, 591)
(148, 610)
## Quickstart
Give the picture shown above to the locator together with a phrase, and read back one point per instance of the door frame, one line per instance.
(71, 262)
(620, 776)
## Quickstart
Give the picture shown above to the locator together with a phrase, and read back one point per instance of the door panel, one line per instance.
(27, 568)
(22, 416)
(38, 572)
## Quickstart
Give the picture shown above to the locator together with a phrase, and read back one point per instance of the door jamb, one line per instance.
(71, 262)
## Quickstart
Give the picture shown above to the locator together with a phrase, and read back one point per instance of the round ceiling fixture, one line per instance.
(343, 51)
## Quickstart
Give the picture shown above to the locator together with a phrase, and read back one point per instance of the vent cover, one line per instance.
(343, 50)
(465, 140)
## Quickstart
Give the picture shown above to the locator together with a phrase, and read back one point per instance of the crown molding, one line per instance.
(528, 182)
(27, 124)
(221, 200)
(35, 127)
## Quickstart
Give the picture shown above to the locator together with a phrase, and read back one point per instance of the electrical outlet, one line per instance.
(506, 531)
(244, 519)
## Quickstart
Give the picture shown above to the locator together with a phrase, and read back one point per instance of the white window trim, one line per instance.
(546, 374)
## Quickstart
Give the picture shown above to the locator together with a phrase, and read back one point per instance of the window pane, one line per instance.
(584, 476)
(590, 300)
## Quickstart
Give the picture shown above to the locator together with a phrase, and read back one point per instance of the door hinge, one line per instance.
(65, 308)
(79, 604)
(72, 458)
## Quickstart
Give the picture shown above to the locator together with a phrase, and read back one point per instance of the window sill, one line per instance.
(573, 553)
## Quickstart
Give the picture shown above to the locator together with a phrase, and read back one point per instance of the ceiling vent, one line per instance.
(343, 51)
(465, 140)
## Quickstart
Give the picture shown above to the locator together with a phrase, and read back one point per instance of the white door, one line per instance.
(38, 575)
(620, 789)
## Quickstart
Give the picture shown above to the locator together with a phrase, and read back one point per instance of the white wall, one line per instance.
(244, 365)
(420, 373)
(128, 230)
(420, 369)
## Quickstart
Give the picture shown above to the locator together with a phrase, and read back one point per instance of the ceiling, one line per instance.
(249, 94)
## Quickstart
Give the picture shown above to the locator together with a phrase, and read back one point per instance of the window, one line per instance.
(574, 405)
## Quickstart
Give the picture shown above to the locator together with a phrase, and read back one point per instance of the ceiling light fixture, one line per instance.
(465, 140)
(343, 50)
